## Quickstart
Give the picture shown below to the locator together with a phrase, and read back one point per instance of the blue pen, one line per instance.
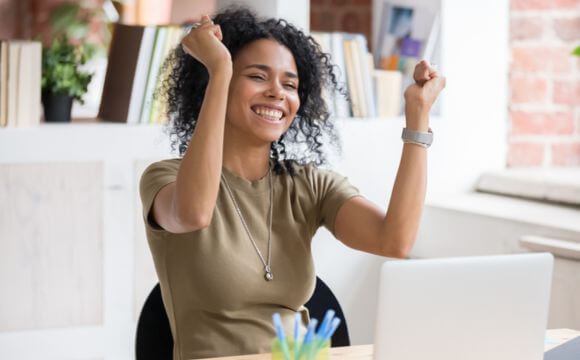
(331, 329)
(308, 337)
(310, 331)
(325, 323)
(326, 336)
(280, 334)
(296, 334)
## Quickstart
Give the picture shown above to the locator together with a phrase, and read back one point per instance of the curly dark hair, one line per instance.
(183, 88)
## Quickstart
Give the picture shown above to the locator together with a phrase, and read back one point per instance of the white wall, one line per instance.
(296, 12)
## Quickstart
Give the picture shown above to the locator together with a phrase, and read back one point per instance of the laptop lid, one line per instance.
(466, 308)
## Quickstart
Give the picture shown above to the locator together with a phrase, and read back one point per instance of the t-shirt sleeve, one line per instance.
(155, 177)
(331, 190)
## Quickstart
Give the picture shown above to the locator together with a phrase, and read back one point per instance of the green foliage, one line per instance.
(576, 51)
(61, 73)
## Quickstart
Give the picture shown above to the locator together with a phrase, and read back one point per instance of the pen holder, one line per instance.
(311, 351)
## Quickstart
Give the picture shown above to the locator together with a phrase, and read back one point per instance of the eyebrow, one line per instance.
(267, 69)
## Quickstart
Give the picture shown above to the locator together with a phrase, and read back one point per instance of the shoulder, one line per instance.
(163, 167)
(168, 165)
(318, 179)
(313, 172)
(159, 174)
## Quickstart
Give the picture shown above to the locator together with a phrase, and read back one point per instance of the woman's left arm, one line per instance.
(362, 225)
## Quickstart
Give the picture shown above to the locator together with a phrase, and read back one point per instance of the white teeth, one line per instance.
(269, 113)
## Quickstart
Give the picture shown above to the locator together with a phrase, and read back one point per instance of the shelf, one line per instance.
(92, 140)
(82, 142)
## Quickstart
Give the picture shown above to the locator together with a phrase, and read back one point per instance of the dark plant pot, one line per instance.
(57, 108)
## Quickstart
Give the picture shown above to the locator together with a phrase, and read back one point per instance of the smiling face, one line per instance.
(263, 95)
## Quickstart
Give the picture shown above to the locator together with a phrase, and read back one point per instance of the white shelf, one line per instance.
(82, 142)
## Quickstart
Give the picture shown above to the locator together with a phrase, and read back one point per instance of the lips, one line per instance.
(268, 113)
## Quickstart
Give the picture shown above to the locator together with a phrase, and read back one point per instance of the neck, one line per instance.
(251, 162)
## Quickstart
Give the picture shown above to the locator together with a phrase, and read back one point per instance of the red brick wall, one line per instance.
(341, 15)
(544, 83)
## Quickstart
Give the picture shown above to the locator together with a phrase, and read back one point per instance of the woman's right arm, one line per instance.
(188, 203)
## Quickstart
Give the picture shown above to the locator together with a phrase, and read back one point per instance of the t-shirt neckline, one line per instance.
(253, 186)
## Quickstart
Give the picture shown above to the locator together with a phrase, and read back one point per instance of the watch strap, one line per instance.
(418, 137)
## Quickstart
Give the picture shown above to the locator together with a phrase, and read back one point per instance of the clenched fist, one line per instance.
(420, 96)
(204, 43)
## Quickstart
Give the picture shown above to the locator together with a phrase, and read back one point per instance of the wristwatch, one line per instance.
(424, 139)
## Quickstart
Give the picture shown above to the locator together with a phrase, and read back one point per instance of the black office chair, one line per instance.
(323, 299)
(154, 340)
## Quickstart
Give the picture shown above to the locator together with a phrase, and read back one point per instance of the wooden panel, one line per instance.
(145, 275)
(51, 245)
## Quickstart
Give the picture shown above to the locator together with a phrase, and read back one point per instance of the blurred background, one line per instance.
(79, 123)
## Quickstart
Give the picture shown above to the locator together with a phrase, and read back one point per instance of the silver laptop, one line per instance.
(468, 308)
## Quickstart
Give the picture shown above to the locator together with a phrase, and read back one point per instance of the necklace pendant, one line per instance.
(268, 275)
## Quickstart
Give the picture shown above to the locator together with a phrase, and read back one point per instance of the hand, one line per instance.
(420, 96)
(204, 43)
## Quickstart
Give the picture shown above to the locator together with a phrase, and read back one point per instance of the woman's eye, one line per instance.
(291, 86)
(257, 77)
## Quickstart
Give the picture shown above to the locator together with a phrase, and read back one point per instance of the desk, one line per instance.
(554, 338)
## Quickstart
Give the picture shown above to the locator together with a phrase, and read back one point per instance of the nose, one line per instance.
(275, 91)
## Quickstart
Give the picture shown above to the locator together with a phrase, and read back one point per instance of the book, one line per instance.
(136, 57)
(20, 83)
(351, 75)
(332, 44)
(408, 32)
(24, 79)
(3, 83)
(358, 77)
(158, 107)
(36, 83)
(366, 69)
(342, 107)
(140, 78)
(121, 72)
(153, 72)
(13, 71)
(388, 85)
(323, 40)
(29, 84)
(349, 55)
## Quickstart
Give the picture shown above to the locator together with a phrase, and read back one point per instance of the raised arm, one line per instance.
(188, 203)
(362, 225)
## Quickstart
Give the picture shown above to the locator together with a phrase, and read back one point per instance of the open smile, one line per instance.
(269, 114)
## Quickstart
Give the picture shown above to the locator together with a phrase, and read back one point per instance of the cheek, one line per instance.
(238, 96)
(295, 103)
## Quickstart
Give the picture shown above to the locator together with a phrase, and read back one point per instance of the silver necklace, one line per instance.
(267, 269)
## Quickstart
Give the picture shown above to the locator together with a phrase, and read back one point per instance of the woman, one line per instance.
(230, 223)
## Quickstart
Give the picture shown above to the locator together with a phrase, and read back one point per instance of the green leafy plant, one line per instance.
(61, 69)
(576, 51)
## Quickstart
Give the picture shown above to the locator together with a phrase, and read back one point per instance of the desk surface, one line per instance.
(554, 338)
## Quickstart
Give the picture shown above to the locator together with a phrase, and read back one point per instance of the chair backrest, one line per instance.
(155, 342)
(323, 299)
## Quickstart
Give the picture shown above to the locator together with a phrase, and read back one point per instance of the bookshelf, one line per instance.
(469, 139)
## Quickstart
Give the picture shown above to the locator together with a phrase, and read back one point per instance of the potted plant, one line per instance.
(62, 79)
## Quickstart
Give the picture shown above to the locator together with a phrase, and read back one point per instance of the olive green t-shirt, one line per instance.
(212, 280)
